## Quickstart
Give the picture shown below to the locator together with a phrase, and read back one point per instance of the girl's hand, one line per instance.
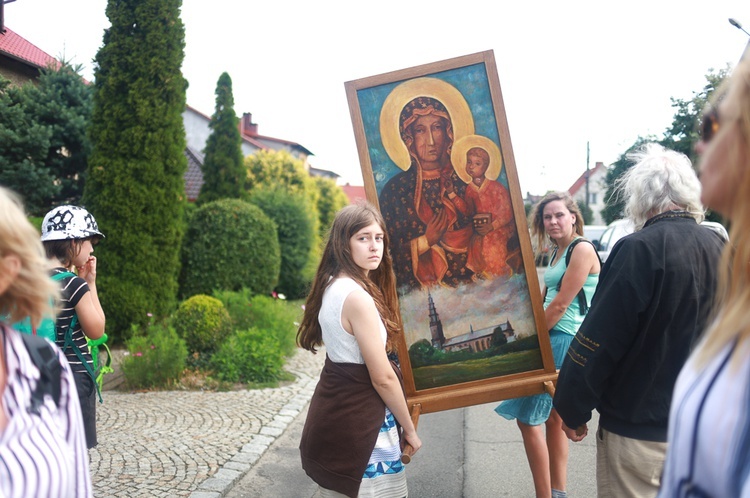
(413, 441)
(88, 270)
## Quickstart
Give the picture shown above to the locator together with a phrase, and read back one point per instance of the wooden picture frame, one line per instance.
(474, 328)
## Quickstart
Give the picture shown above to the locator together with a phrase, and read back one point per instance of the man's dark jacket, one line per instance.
(655, 294)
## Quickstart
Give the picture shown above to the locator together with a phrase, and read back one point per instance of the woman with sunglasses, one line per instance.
(709, 426)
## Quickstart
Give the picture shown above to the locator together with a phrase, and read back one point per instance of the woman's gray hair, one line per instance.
(661, 180)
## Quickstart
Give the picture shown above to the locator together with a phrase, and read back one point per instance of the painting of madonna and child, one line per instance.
(436, 159)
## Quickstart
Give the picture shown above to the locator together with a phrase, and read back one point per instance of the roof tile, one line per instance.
(15, 46)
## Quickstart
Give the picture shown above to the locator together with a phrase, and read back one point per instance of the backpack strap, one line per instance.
(583, 305)
(68, 341)
(46, 360)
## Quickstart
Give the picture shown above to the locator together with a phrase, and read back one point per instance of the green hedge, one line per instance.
(203, 322)
(156, 359)
(248, 356)
(229, 244)
(293, 217)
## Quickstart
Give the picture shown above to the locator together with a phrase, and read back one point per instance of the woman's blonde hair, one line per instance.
(32, 291)
(732, 314)
(538, 233)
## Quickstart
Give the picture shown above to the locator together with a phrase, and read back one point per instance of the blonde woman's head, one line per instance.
(25, 286)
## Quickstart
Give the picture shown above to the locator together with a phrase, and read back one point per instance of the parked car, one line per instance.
(594, 233)
(614, 232)
(620, 228)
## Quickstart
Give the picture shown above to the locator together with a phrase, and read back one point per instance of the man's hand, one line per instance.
(576, 435)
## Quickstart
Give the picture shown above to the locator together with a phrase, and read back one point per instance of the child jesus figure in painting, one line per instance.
(489, 202)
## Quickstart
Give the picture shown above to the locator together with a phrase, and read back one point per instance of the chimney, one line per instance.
(247, 127)
(598, 164)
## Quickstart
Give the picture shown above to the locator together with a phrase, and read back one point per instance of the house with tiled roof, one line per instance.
(354, 193)
(197, 132)
(597, 188)
(20, 60)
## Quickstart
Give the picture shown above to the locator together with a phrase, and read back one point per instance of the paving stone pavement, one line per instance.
(190, 443)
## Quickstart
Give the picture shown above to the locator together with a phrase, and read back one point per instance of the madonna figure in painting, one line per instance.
(430, 235)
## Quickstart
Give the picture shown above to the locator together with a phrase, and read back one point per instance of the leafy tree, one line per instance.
(331, 199)
(683, 134)
(61, 102)
(23, 145)
(586, 212)
(296, 235)
(135, 184)
(278, 169)
(223, 170)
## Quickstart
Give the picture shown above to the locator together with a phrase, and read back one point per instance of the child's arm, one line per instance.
(89, 309)
(459, 204)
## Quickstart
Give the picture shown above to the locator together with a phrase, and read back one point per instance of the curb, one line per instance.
(218, 485)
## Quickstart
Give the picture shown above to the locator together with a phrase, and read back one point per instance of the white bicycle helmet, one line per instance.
(69, 222)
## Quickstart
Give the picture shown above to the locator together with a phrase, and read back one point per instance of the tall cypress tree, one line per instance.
(223, 168)
(135, 186)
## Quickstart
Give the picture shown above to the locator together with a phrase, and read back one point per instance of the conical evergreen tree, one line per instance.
(135, 185)
(223, 168)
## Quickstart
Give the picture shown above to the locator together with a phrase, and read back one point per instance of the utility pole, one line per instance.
(587, 173)
(2, 14)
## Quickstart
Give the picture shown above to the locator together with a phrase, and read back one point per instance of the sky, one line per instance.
(571, 73)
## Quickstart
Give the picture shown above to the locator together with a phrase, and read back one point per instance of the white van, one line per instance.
(614, 232)
(594, 233)
(620, 228)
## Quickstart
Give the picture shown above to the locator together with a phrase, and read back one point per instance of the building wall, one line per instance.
(197, 132)
(597, 191)
(18, 74)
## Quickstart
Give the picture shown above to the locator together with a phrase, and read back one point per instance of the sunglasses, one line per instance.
(710, 124)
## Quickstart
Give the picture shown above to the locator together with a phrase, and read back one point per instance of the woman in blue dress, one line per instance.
(556, 219)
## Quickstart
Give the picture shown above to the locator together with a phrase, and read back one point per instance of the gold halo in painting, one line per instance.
(447, 94)
(462, 146)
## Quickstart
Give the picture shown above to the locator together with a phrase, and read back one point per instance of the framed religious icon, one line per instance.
(437, 160)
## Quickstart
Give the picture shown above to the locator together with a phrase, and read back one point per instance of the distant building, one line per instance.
(474, 340)
(354, 193)
(197, 132)
(20, 60)
(597, 189)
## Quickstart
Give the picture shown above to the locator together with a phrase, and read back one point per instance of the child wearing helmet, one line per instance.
(69, 234)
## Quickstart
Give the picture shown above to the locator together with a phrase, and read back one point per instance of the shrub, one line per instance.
(229, 244)
(275, 317)
(295, 223)
(156, 359)
(248, 356)
(202, 321)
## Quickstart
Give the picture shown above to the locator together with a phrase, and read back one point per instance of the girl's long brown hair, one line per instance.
(337, 259)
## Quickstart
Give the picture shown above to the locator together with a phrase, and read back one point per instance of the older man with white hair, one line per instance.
(654, 296)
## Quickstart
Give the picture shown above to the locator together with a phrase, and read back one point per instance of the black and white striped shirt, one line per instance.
(40, 455)
(72, 289)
